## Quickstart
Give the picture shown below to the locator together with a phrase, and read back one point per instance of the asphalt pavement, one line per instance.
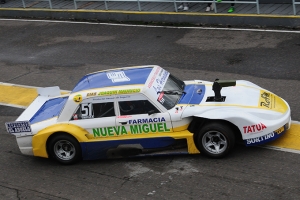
(48, 53)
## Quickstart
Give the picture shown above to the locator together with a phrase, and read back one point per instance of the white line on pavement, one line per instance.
(13, 105)
(280, 149)
(152, 26)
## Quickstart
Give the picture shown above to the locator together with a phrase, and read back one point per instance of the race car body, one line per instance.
(144, 110)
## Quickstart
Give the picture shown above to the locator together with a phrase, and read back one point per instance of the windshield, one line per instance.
(171, 92)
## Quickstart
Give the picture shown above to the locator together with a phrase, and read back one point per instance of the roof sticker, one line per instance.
(117, 76)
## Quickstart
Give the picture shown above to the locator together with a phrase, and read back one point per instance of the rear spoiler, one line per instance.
(21, 127)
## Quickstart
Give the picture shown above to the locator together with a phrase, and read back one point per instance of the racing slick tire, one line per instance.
(215, 140)
(65, 149)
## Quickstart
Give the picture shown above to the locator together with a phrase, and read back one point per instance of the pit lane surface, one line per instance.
(47, 54)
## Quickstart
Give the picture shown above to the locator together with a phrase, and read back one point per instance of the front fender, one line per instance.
(39, 141)
(251, 124)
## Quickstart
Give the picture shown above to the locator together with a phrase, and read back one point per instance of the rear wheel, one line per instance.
(65, 149)
(215, 140)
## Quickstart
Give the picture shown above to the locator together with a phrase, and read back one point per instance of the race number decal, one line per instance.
(87, 111)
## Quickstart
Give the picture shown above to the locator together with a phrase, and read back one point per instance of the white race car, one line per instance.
(144, 110)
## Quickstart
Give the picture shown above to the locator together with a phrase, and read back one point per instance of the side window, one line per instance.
(104, 110)
(95, 110)
(136, 107)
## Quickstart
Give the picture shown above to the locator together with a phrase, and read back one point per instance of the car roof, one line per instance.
(114, 77)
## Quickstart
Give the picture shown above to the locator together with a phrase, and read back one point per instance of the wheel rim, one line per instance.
(214, 142)
(64, 150)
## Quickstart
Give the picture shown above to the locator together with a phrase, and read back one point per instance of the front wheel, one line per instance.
(65, 149)
(215, 140)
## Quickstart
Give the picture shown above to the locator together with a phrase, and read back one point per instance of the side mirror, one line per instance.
(151, 112)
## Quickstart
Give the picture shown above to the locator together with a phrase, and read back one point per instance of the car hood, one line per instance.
(244, 94)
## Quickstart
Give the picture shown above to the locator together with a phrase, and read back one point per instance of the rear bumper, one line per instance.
(25, 145)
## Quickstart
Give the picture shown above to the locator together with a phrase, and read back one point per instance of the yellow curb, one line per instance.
(290, 140)
(16, 95)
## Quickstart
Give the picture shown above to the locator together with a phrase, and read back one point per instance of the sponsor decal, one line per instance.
(129, 91)
(91, 94)
(153, 77)
(103, 98)
(265, 138)
(114, 92)
(265, 99)
(268, 100)
(132, 129)
(160, 81)
(160, 98)
(117, 76)
(254, 128)
(18, 127)
(260, 139)
(111, 92)
(146, 120)
(280, 130)
(77, 98)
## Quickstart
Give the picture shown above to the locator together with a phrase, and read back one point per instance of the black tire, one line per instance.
(65, 149)
(215, 139)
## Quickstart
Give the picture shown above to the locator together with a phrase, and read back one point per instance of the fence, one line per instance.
(294, 6)
(175, 2)
(50, 3)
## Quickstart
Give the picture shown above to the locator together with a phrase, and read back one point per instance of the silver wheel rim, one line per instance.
(64, 150)
(214, 142)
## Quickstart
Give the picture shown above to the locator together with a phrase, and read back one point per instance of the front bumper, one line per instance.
(268, 137)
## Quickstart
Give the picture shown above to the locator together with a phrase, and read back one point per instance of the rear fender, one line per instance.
(39, 141)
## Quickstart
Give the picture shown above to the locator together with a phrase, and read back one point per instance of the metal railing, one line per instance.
(294, 6)
(214, 2)
(50, 3)
(175, 2)
(240, 2)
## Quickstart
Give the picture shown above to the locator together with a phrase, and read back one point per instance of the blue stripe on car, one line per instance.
(99, 80)
(98, 150)
(194, 94)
